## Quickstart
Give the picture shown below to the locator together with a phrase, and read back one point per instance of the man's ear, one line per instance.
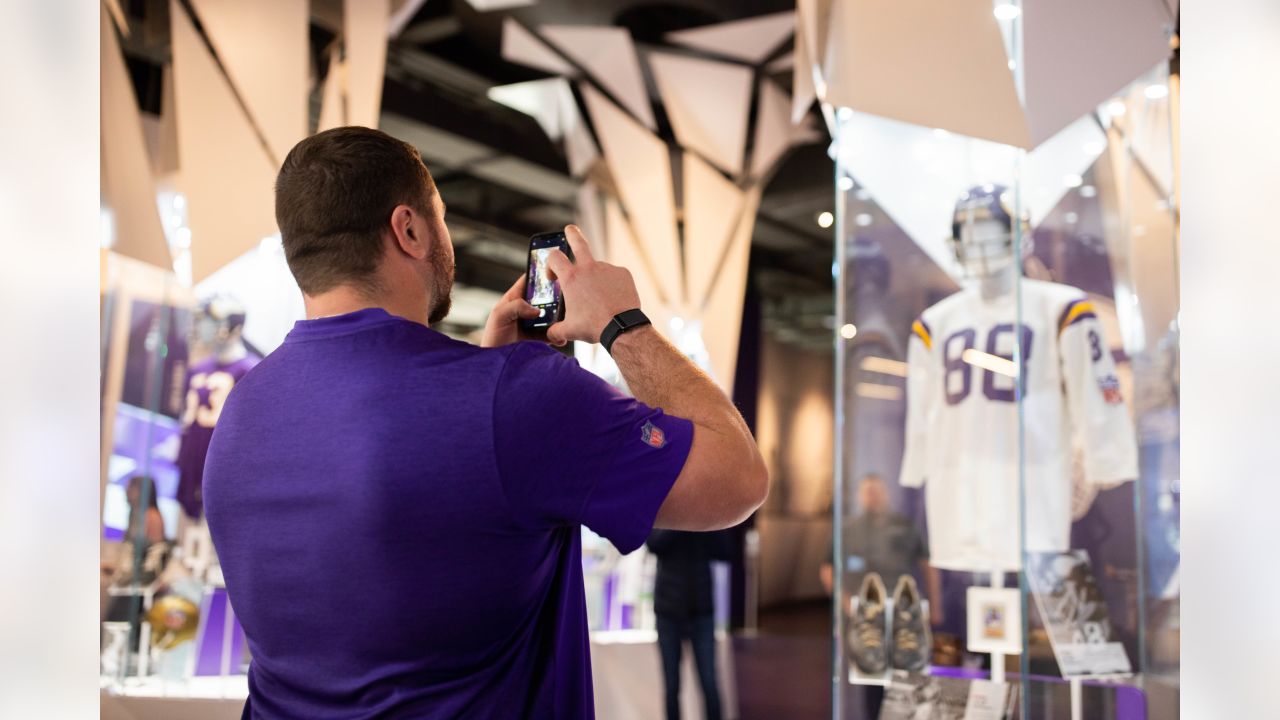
(409, 240)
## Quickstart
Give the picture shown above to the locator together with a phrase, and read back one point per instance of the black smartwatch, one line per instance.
(622, 322)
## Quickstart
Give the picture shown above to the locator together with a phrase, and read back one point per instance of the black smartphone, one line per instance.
(540, 289)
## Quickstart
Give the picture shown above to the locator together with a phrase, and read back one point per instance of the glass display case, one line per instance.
(1006, 497)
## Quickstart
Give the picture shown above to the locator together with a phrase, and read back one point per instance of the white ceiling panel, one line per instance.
(365, 41)
(750, 40)
(263, 48)
(712, 209)
(708, 103)
(226, 174)
(936, 64)
(722, 319)
(524, 48)
(609, 55)
(1124, 39)
(641, 166)
(128, 187)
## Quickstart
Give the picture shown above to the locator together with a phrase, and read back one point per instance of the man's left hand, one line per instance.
(503, 325)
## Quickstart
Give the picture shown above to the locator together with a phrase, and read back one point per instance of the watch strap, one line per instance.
(622, 322)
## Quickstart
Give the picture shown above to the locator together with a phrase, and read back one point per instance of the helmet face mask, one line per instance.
(982, 231)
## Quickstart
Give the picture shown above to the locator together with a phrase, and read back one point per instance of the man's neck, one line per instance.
(346, 299)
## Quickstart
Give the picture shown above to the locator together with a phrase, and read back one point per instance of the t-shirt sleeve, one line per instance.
(574, 450)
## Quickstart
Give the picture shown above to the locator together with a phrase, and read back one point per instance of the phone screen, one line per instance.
(541, 290)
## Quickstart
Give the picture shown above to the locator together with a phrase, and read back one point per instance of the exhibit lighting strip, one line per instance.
(987, 361)
(879, 392)
(884, 366)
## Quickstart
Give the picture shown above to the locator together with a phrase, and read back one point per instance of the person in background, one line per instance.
(882, 541)
(685, 608)
(144, 546)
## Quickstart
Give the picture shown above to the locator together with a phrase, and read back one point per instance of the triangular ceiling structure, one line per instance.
(549, 101)
(624, 251)
(609, 55)
(806, 60)
(524, 48)
(333, 106)
(773, 128)
(365, 41)
(722, 318)
(712, 210)
(641, 166)
(751, 40)
(935, 64)
(1124, 39)
(708, 103)
(263, 49)
(915, 174)
(128, 188)
(228, 182)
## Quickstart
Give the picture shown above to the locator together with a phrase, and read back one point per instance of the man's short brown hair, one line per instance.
(334, 197)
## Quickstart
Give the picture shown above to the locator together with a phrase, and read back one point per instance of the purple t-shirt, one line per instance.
(209, 382)
(397, 515)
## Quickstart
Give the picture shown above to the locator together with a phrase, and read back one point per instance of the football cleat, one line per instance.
(866, 635)
(911, 642)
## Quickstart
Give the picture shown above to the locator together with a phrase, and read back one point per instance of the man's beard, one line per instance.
(442, 271)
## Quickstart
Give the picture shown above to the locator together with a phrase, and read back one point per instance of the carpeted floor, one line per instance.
(784, 671)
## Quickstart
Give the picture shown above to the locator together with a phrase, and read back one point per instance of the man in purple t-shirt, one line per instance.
(397, 513)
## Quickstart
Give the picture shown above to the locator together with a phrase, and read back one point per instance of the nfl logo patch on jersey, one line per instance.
(1110, 387)
(652, 435)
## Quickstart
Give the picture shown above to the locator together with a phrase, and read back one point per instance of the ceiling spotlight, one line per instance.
(825, 219)
(1071, 218)
(863, 219)
(862, 195)
(1007, 11)
(845, 183)
(1116, 108)
(848, 331)
(1156, 92)
(677, 324)
(1072, 181)
(1088, 191)
(1013, 65)
(844, 113)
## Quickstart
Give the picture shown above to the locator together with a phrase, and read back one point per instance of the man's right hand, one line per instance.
(593, 291)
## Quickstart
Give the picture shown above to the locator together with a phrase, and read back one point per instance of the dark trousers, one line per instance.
(701, 632)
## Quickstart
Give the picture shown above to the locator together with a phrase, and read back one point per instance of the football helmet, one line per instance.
(982, 230)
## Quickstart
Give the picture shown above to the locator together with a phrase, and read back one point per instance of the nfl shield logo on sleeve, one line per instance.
(1110, 387)
(652, 435)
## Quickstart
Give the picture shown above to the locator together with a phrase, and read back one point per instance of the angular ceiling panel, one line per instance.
(641, 166)
(915, 174)
(522, 47)
(712, 208)
(609, 55)
(590, 218)
(624, 251)
(806, 61)
(949, 55)
(333, 106)
(365, 30)
(722, 319)
(708, 103)
(773, 128)
(548, 101)
(263, 48)
(128, 188)
(225, 173)
(579, 148)
(1125, 38)
(750, 40)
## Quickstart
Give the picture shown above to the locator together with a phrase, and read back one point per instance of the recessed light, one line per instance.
(848, 331)
(1088, 191)
(845, 183)
(863, 219)
(825, 219)
(1115, 108)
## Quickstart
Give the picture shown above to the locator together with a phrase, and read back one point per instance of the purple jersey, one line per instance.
(398, 519)
(208, 383)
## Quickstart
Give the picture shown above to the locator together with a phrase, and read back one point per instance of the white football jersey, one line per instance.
(962, 421)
